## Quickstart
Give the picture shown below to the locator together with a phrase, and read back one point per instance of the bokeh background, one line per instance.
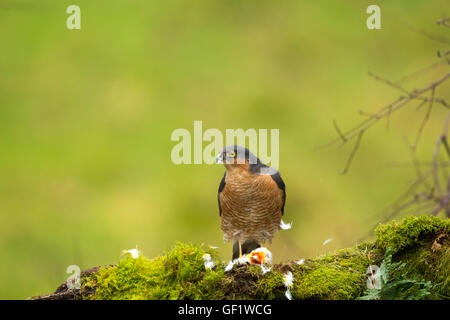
(86, 118)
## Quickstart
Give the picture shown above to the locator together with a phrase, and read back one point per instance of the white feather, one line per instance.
(209, 264)
(288, 280)
(135, 253)
(285, 226)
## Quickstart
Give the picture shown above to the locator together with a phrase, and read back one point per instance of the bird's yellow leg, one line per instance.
(240, 249)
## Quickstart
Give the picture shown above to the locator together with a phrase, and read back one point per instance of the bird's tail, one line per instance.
(247, 247)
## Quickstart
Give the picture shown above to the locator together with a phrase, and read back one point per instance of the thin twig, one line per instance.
(421, 104)
(431, 36)
(426, 68)
(396, 86)
(437, 185)
(444, 22)
(436, 210)
(426, 204)
(441, 164)
(425, 119)
(352, 154)
(396, 105)
(444, 134)
(370, 115)
(339, 131)
(416, 164)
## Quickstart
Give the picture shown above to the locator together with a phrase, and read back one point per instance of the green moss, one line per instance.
(180, 273)
(411, 241)
(341, 275)
(409, 231)
(249, 283)
(424, 263)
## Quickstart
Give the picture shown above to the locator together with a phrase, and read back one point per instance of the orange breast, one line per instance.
(251, 206)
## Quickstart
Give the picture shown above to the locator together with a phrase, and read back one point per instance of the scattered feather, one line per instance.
(285, 226)
(288, 281)
(259, 256)
(264, 270)
(327, 241)
(229, 266)
(135, 253)
(209, 264)
(241, 260)
(213, 247)
(301, 261)
(288, 294)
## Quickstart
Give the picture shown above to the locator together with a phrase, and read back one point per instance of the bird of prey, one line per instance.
(251, 200)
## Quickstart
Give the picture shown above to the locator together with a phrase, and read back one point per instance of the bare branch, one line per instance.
(425, 193)
(352, 154)
(433, 37)
(441, 164)
(396, 86)
(445, 22)
(435, 167)
(444, 134)
(440, 55)
(436, 210)
(387, 110)
(409, 94)
(427, 116)
(339, 131)
(416, 165)
(370, 115)
(420, 105)
(405, 208)
(431, 66)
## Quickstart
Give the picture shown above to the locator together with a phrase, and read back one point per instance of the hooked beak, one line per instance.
(219, 158)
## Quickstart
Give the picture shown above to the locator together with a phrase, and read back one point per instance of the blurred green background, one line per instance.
(86, 118)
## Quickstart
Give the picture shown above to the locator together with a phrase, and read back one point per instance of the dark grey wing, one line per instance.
(280, 183)
(221, 186)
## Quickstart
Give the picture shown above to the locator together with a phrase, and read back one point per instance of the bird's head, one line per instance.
(237, 157)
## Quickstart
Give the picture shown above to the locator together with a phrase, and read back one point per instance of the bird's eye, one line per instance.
(232, 154)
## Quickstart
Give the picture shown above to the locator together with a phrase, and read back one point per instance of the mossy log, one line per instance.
(420, 242)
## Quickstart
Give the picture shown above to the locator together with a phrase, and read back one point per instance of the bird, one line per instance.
(251, 199)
